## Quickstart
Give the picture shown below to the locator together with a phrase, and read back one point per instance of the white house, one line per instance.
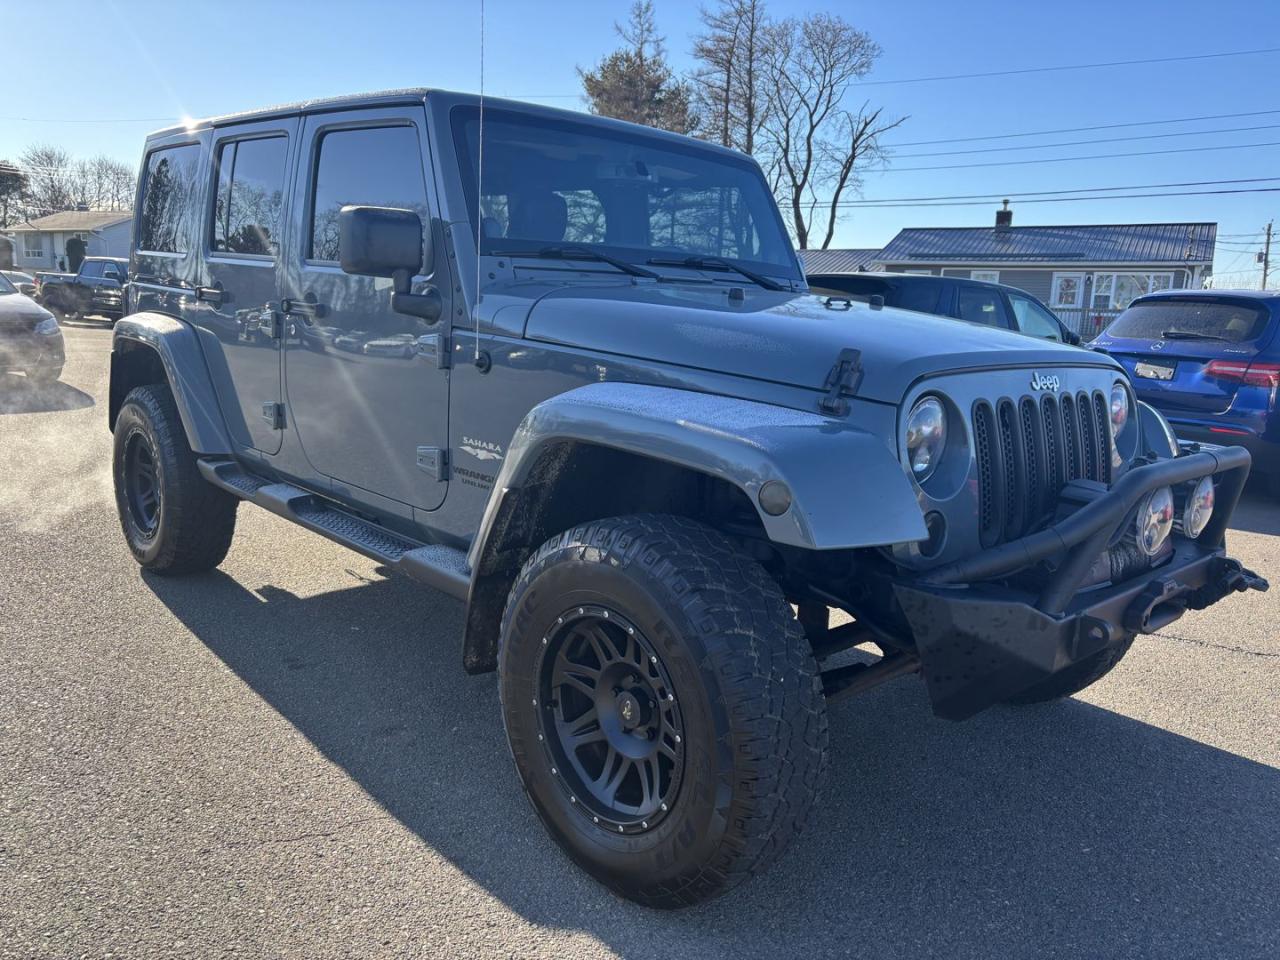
(41, 244)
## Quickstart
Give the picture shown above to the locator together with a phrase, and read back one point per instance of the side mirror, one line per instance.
(1071, 337)
(387, 242)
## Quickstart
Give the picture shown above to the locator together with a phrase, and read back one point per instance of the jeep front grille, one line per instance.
(1028, 450)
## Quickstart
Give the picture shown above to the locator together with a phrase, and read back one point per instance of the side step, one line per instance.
(436, 565)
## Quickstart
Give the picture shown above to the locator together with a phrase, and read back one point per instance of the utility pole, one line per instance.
(1266, 255)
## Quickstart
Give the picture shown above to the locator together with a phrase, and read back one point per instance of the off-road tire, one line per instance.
(748, 690)
(195, 520)
(1075, 678)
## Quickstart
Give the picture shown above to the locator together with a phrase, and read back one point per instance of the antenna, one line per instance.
(479, 187)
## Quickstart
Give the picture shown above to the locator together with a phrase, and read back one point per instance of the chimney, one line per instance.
(1004, 219)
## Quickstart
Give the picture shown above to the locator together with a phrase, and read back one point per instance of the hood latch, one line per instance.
(842, 381)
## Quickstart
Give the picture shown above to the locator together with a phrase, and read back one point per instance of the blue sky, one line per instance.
(120, 60)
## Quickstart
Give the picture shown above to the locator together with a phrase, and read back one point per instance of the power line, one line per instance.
(1099, 126)
(1047, 193)
(1095, 156)
(1076, 143)
(1073, 66)
(1114, 196)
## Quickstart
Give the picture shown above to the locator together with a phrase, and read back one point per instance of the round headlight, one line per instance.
(1198, 508)
(47, 327)
(1119, 408)
(926, 437)
(1155, 520)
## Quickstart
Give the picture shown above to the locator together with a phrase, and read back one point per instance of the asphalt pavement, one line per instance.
(284, 758)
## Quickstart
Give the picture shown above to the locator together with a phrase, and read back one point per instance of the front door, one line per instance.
(366, 393)
(239, 321)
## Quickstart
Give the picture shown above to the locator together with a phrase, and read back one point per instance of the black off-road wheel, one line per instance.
(663, 709)
(1075, 678)
(174, 520)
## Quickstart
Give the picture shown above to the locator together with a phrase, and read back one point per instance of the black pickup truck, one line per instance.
(98, 288)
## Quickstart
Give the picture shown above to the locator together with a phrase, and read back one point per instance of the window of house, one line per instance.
(250, 196)
(986, 276)
(1033, 319)
(1067, 291)
(378, 166)
(169, 199)
(1115, 291)
(32, 245)
(919, 273)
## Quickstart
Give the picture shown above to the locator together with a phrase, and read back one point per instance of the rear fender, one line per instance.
(175, 347)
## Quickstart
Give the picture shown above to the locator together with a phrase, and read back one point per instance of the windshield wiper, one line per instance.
(709, 263)
(1191, 335)
(574, 252)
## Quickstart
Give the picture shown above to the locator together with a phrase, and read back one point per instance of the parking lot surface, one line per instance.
(284, 758)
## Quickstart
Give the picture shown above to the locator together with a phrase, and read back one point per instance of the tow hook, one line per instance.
(1225, 576)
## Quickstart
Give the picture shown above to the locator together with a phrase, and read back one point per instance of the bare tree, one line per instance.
(51, 180)
(727, 86)
(13, 187)
(814, 146)
(635, 83)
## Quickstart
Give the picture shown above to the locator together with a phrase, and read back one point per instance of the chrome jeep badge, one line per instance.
(1041, 382)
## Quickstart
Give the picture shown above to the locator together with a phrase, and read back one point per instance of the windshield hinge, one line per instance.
(842, 381)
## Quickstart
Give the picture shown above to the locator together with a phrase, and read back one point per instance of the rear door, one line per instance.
(979, 304)
(252, 166)
(368, 388)
(1189, 353)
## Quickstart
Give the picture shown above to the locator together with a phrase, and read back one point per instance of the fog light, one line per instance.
(1155, 520)
(1198, 508)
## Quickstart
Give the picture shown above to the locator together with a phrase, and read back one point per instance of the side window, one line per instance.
(246, 212)
(980, 305)
(111, 271)
(378, 166)
(91, 268)
(168, 200)
(1033, 319)
(921, 297)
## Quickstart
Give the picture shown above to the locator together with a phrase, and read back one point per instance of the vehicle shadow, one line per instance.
(1058, 830)
(1258, 510)
(21, 395)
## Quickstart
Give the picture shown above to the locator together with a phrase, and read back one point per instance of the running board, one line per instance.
(436, 565)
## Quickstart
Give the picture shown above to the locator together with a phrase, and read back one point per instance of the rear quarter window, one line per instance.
(1229, 320)
(169, 199)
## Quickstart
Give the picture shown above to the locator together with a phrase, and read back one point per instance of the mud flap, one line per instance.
(978, 651)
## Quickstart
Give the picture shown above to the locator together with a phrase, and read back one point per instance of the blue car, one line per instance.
(1209, 360)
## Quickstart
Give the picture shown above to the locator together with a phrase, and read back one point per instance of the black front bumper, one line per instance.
(981, 641)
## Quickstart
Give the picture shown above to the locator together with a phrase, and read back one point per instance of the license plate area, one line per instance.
(1154, 371)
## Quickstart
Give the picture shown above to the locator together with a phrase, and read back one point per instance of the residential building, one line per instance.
(860, 260)
(41, 244)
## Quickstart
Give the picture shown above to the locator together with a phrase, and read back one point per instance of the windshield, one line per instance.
(549, 182)
(1231, 320)
(6, 286)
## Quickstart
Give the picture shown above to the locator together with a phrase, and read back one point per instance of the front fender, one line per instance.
(848, 489)
(179, 353)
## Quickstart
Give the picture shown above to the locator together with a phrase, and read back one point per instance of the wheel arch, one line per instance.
(608, 449)
(156, 348)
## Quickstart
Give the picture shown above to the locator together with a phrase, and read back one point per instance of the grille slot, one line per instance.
(1027, 450)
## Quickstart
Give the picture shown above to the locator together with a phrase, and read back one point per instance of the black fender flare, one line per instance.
(177, 347)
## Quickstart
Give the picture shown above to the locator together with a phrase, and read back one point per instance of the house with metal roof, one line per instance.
(849, 260)
(1086, 273)
(41, 244)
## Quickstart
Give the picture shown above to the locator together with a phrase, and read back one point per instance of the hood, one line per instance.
(19, 310)
(782, 337)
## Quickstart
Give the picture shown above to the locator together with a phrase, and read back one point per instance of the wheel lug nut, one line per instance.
(595, 819)
(677, 738)
(664, 806)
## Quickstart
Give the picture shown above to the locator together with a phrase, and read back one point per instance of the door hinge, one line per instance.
(842, 381)
(273, 413)
(434, 462)
(271, 323)
(434, 346)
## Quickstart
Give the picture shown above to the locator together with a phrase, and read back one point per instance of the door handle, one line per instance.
(306, 308)
(211, 295)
